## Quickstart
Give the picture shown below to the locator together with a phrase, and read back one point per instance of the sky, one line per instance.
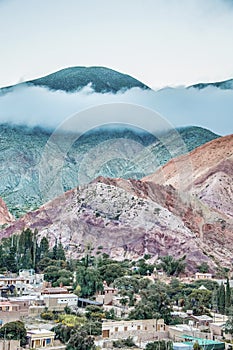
(173, 43)
(162, 43)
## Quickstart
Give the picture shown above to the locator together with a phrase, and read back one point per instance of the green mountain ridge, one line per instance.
(21, 149)
(72, 79)
(223, 85)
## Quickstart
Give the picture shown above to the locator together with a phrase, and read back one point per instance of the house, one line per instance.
(203, 276)
(9, 344)
(54, 290)
(205, 343)
(8, 306)
(31, 276)
(14, 285)
(202, 321)
(106, 296)
(40, 338)
(11, 311)
(176, 332)
(143, 329)
(57, 302)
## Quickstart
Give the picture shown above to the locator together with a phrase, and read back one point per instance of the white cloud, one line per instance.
(211, 107)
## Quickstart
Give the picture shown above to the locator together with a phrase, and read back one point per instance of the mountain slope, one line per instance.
(130, 218)
(75, 78)
(5, 216)
(109, 216)
(21, 149)
(224, 85)
(206, 172)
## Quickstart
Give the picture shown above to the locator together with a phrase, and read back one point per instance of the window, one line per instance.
(125, 329)
(116, 329)
(138, 328)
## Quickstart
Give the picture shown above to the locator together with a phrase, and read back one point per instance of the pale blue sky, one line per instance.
(159, 42)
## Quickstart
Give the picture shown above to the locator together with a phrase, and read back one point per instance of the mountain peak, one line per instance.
(223, 85)
(72, 79)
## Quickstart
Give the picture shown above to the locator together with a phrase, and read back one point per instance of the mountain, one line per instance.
(155, 215)
(130, 218)
(75, 78)
(5, 216)
(124, 223)
(22, 148)
(206, 172)
(224, 85)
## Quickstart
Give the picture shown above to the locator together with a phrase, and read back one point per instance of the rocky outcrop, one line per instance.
(5, 216)
(206, 172)
(23, 148)
(129, 218)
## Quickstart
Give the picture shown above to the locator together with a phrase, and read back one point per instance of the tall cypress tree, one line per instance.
(60, 252)
(221, 299)
(11, 260)
(54, 254)
(44, 248)
(228, 297)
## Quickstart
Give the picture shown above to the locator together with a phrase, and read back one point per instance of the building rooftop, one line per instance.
(40, 331)
(201, 341)
(59, 295)
(55, 290)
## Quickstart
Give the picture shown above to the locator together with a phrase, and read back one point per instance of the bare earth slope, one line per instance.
(5, 216)
(129, 218)
(206, 172)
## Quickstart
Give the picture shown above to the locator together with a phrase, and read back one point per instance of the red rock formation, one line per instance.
(5, 216)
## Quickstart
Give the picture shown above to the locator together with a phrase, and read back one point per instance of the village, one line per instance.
(26, 296)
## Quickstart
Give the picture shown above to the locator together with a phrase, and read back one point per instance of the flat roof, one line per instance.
(88, 301)
(40, 331)
(202, 341)
(64, 296)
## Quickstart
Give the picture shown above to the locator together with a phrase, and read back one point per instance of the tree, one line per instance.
(221, 299)
(203, 267)
(60, 252)
(58, 276)
(124, 343)
(201, 298)
(228, 328)
(154, 303)
(89, 280)
(112, 271)
(11, 261)
(197, 346)
(14, 330)
(2, 258)
(143, 268)
(227, 297)
(171, 266)
(80, 341)
(160, 345)
(54, 252)
(44, 248)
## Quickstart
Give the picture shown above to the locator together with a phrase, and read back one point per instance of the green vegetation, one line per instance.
(76, 337)
(171, 266)
(14, 330)
(26, 251)
(124, 343)
(229, 323)
(160, 345)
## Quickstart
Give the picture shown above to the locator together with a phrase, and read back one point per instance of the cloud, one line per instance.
(211, 107)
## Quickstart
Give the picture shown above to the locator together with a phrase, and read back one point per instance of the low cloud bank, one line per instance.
(211, 107)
